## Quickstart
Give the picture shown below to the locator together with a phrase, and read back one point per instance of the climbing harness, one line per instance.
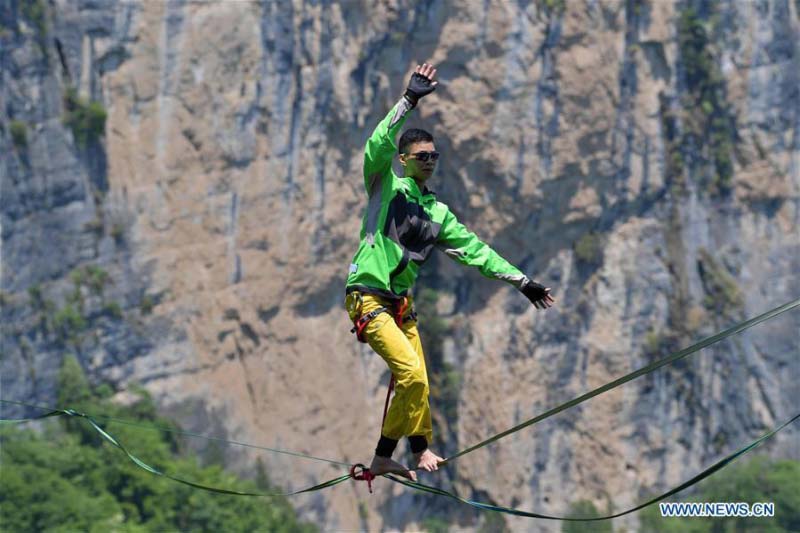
(398, 311)
(362, 322)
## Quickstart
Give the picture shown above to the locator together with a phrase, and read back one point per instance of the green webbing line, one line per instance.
(153, 427)
(20, 420)
(419, 486)
(141, 464)
(741, 326)
(499, 508)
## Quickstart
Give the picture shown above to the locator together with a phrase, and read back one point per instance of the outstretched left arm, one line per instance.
(460, 244)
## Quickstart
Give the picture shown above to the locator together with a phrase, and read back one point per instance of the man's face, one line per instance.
(413, 162)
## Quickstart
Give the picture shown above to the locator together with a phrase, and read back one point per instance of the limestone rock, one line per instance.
(224, 199)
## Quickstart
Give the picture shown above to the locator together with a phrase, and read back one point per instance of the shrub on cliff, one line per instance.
(585, 509)
(589, 248)
(710, 118)
(87, 120)
(757, 480)
(19, 133)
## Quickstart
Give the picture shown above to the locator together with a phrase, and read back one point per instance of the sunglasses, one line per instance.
(424, 156)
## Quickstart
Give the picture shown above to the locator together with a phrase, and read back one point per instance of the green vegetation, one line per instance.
(554, 7)
(118, 232)
(95, 226)
(19, 134)
(585, 509)
(40, 305)
(113, 309)
(673, 144)
(447, 385)
(64, 477)
(71, 320)
(434, 524)
(35, 296)
(759, 479)
(35, 12)
(147, 304)
(96, 279)
(494, 523)
(722, 292)
(68, 323)
(92, 278)
(653, 344)
(589, 248)
(709, 117)
(87, 120)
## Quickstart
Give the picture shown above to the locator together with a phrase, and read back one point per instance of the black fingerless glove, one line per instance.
(535, 293)
(418, 87)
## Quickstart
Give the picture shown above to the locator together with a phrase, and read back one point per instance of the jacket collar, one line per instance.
(412, 188)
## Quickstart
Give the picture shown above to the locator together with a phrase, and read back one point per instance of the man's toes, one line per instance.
(409, 474)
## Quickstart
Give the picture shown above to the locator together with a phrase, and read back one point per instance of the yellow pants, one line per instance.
(409, 413)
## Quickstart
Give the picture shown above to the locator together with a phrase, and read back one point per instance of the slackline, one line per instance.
(414, 485)
(433, 490)
(153, 427)
(501, 509)
(741, 326)
(141, 464)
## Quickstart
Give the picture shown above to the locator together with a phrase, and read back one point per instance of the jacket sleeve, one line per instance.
(460, 244)
(381, 147)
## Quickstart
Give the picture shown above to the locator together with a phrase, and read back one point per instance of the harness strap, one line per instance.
(363, 320)
(388, 395)
(399, 311)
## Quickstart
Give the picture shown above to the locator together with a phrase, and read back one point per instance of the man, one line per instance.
(403, 223)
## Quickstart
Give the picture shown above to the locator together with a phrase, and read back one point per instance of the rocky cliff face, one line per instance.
(190, 231)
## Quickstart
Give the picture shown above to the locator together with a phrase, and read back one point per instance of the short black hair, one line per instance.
(411, 136)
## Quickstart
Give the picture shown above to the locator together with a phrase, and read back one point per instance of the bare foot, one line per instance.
(427, 460)
(384, 465)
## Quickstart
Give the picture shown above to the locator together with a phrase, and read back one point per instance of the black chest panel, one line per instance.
(411, 227)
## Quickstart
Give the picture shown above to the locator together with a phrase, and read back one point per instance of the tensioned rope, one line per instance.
(154, 427)
(644, 370)
(138, 462)
(499, 508)
(741, 326)
(415, 485)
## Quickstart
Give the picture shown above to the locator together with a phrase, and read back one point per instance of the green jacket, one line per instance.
(402, 225)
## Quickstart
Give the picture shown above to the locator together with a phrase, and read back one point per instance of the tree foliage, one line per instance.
(86, 119)
(759, 480)
(585, 509)
(710, 117)
(19, 133)
(64, 477)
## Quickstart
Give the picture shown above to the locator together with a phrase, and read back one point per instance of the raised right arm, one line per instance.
(381, 147)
